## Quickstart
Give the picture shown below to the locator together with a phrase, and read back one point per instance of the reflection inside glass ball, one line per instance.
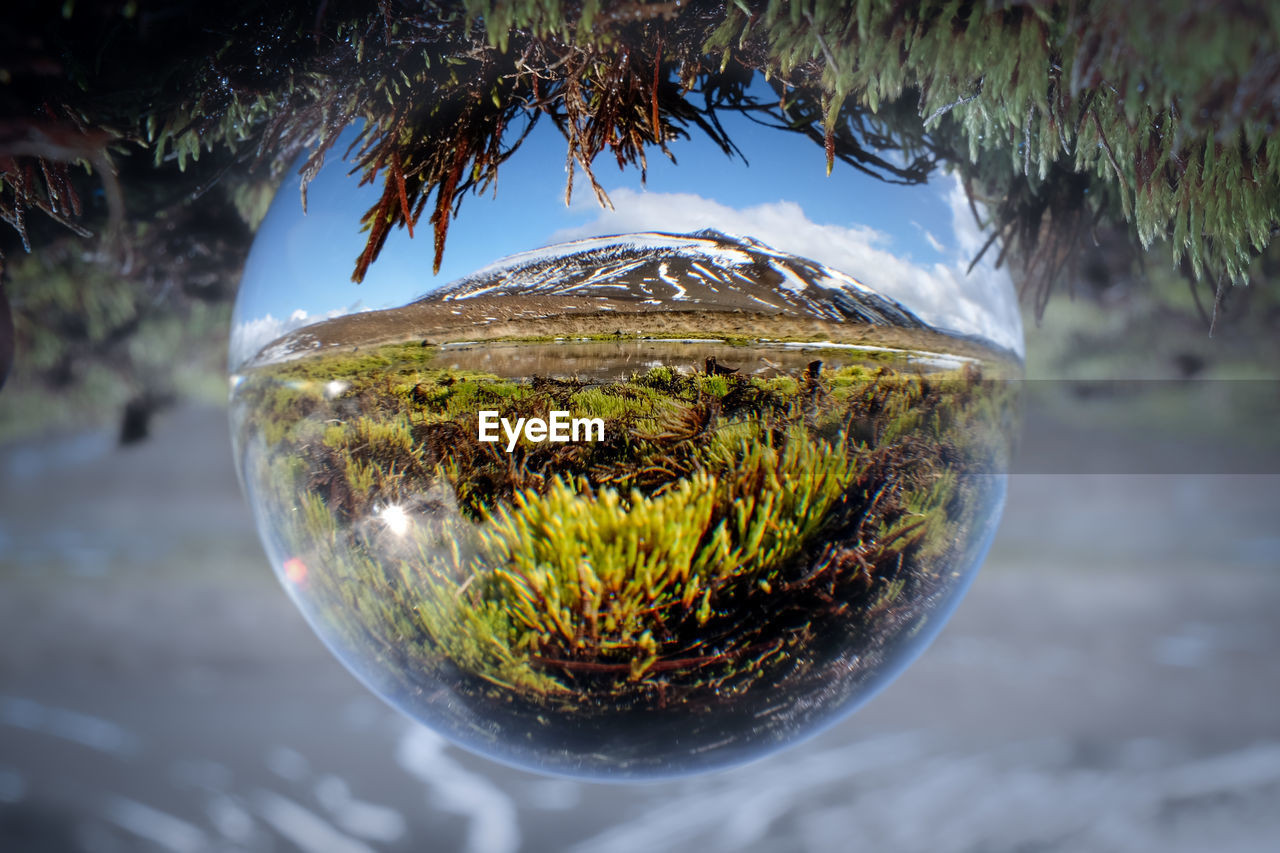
(631, 502)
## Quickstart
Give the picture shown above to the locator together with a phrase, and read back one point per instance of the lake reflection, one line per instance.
(608, 360)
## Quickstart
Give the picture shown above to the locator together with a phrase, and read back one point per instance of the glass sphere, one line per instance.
(632, 490)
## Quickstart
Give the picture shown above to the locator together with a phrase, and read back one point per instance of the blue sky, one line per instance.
(908, 242)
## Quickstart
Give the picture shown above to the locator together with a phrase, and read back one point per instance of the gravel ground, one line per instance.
(1111, 682)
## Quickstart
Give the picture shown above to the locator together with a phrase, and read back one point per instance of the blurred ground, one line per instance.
(1111, 682)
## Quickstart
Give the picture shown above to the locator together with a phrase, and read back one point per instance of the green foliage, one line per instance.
(776, 497)
(1161, 106)
(1062, 115)
(90, 339)
(594, 402)
(576, 573)
(698, 510)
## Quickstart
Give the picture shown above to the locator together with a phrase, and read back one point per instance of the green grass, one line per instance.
(723, 523)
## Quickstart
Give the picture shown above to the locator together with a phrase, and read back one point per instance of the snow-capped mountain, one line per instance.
(703, 270)
(667, 285)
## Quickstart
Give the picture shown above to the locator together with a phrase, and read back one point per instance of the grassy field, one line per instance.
(734, 542)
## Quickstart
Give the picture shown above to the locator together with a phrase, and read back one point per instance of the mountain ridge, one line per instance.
(643, 284)
(706, 267)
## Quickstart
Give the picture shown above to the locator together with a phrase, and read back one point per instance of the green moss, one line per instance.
(1157, 115)
(713, 497)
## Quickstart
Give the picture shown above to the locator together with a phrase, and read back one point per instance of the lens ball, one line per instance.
(631, 490)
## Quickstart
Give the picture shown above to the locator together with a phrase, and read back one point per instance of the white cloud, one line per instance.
(980, 303)
(250, 336)
(934, 242)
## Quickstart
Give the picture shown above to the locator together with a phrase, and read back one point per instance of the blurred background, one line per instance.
(1110, 683)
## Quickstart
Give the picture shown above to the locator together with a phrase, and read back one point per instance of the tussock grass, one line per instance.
(723, 523)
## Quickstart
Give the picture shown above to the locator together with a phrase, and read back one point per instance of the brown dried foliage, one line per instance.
(615, 102)
(35, 172)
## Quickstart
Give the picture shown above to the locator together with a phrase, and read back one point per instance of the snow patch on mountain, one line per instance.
(939, 286)
(708, 268)
(665, 276)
